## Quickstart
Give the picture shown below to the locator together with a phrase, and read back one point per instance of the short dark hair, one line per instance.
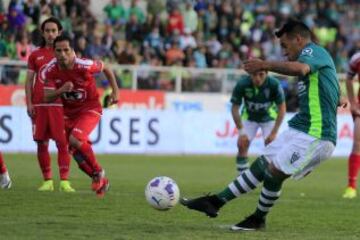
(62, 38)
(292, 27)
(52, 20)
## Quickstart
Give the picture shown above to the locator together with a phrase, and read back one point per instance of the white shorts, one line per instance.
(297, 153)
(250, 129)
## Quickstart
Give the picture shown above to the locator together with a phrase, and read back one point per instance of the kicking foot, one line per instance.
(209, 204)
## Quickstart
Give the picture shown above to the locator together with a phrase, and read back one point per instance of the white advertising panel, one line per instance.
(159, 132)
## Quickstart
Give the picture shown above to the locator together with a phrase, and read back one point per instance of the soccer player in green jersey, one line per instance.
(259, 93)
(311, 136)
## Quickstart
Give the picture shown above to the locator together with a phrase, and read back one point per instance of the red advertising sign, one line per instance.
(142, 99)
(12, 95)
(128, 99)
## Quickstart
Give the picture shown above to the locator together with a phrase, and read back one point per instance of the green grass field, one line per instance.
(308, 209)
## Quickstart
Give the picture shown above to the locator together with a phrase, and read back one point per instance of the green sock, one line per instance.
(246, 182)
(269, 194)
(241, 164)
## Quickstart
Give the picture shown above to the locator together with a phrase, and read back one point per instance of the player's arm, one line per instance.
(28, 91)
(236, 116)
(51, 94)
(115, 90)
(283, 67)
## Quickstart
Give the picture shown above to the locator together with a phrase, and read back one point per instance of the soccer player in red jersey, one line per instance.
(5, 181)
(72, 79)
(354, 158)
(47, 118)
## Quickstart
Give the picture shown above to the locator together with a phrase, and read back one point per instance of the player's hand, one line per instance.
(254, 65)
(30, 110)
(270, 138)
(114, 97)
(355, 109)
(67, 87)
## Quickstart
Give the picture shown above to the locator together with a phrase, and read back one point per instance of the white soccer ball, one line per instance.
(162, 193)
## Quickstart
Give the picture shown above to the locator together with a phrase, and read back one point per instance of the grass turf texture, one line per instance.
(308, 209)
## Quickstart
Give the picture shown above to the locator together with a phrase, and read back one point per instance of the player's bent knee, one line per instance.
(243, 143)
(276, 172)
(74, 142)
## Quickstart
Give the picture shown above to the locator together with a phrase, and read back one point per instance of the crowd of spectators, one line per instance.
(190, 33)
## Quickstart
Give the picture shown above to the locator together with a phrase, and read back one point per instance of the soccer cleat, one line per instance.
(65, 186)
(349, 193)
(209, 204)
(5, 181)
(251, 223)
(47, 186)
(105, 185)
(96, 183)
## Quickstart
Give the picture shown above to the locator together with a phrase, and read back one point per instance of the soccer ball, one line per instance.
(162, 193)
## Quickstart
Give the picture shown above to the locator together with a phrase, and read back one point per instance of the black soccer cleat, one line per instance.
(251, 223)
(209, 204)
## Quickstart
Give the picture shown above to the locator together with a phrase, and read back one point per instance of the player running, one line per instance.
(259, 92)
(312, 132)
(47, 118)
(354, 158)
(72, 79)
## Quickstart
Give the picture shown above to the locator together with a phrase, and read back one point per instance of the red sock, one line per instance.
(80, 159)
(2, 165)
(88, 153)
(44, 161)
(354, 166)
(63, 160)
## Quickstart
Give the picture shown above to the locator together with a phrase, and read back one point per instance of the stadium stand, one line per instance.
(187, 33)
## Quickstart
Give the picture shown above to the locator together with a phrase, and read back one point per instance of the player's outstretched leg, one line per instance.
(84, 152)
(83, 165)
(5, 181)
(244, 183)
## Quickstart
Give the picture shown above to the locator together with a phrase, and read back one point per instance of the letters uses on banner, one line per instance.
(160, 132)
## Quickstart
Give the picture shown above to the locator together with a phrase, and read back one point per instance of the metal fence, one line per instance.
(173, 79)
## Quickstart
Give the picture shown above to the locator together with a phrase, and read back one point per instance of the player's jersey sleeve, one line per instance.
(96, 66)
(238, 92)
(311, 56)
(279, 96)
(354, 66)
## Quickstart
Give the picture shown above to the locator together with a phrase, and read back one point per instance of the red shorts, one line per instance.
(48, 123)
(82, 126)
